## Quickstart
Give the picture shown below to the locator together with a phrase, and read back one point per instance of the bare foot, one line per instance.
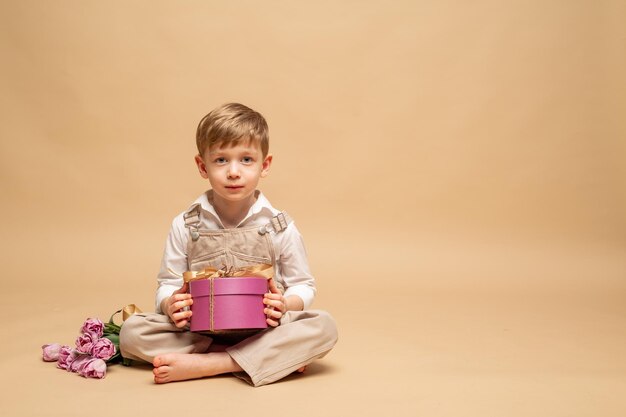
(182, 366)
(300, 370)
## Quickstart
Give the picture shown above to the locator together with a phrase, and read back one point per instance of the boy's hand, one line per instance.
(276, 305)
(173, 305)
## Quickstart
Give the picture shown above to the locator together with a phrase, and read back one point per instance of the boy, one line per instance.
(232, 225)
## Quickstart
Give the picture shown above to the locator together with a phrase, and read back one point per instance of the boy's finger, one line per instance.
(272, 287)
(280, 305)
(178, 306)
(181, 324)
(276, 298)
(273, 313)
(183, 315)
(268, 300)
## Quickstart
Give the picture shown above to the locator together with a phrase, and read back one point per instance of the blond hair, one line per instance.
(231, 124)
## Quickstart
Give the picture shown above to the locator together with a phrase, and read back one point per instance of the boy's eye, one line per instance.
(220, 160)
(246, 160)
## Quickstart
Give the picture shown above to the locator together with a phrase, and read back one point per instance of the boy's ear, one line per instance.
(201, 167)
(267, 162)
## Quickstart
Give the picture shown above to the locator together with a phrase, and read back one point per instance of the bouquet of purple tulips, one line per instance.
(95, 347)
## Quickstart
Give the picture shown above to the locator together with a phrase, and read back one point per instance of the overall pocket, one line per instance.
(242, 259)
(216, 260)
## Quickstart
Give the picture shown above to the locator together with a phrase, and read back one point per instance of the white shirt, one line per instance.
(291, 269)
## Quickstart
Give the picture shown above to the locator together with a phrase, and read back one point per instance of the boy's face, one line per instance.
(234, 171)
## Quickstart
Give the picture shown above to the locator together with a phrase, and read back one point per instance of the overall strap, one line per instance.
(192, 221)
(277, 224)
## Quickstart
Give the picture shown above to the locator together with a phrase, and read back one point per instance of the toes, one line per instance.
(161, 375)
(158, 361)
(161, 371)
(160, 380)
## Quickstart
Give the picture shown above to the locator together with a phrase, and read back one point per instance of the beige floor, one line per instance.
(445, 340)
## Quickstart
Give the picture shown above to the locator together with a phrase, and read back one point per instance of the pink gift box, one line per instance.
(228, 303)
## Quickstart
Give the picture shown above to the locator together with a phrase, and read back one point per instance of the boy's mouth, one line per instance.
(234, 187)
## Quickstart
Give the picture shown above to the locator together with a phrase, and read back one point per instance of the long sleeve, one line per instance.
(293, 265)
(174, 259)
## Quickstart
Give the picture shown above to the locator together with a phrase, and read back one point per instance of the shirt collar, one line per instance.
(261, 204)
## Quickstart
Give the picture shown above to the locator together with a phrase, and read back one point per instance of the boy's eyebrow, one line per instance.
(217, 151)
(221, 151)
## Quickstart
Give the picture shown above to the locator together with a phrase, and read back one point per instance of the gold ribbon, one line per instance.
(129, 310)
(258, 270)
(126, 311)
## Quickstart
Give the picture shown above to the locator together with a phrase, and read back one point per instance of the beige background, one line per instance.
(457, 169)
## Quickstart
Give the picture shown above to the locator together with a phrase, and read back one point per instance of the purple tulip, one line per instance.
(103, 349)
(66, 357)
(93, 327)
(94, 368)
(84, 342)
(79, 362)
(51, 352)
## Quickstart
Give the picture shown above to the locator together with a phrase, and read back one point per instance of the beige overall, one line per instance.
(265, 356)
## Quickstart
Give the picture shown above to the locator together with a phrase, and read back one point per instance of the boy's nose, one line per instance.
(233, 171)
